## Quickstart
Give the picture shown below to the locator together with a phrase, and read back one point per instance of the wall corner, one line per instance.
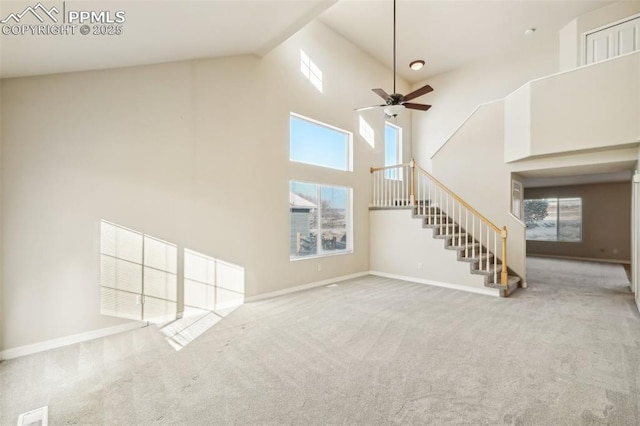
(569, 46)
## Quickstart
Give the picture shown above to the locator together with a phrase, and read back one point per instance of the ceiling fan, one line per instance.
(395, 102)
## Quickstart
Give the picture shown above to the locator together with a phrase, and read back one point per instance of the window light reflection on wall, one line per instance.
(367, 132)
(311, 71)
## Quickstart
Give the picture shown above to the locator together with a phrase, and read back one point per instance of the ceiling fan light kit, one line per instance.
(395, 102)
(393, 110)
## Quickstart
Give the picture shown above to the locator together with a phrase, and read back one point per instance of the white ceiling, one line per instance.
(154, 32)
(446, 33)
(579, 175)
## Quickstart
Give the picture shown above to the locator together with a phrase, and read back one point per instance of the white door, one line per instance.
(612, 41)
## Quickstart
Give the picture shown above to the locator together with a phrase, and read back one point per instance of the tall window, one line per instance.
(554, 219)
(312, 142)
(392, 150)
(320, 219)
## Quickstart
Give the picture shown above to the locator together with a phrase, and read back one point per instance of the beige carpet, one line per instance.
(368, 351)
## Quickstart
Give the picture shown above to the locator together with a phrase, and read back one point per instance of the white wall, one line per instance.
(635, 225)
(194, 152)
(591, 107)
(569, 43)
(458, 93)
(517, 123)
(481, 177)
(401, 247)
(571, 37)
(1, 236)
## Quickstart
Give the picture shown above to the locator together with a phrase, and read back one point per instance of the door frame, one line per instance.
(635, 236)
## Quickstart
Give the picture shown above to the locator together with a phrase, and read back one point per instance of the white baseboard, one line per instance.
(68, 340)
(582, 259)
(303, 287)
(484, 291)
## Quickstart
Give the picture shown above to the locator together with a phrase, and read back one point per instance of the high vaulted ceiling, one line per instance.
(155, 31)
(445, 33)
(448, 34)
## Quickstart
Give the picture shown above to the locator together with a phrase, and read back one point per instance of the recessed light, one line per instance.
(416, 65)
(529, 31)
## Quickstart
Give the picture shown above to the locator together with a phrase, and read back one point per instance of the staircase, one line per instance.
(467, 247)
(477, 241)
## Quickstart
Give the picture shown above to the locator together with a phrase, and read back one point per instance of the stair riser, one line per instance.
(455, 240)
(446, 230)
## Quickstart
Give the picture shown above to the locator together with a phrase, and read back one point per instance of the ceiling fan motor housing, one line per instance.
(394, 99)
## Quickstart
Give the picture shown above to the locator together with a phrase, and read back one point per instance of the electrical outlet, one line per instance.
(319, 267)
(420, 265)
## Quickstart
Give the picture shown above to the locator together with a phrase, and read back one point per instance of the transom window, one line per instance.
(319, 144)
(320, 220)
(553, 219)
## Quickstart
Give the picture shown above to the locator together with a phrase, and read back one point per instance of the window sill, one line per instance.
(316, 256)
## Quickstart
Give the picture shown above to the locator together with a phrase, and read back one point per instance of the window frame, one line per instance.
(557, 219)
(348, 147)
(517, 199)
(392, 174)
(320, 252)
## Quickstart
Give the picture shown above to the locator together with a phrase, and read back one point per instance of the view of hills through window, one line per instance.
(320, 219)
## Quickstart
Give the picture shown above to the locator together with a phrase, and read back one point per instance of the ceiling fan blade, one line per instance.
(384, 95)
(421, 107)
(369, 107)
(417, 93)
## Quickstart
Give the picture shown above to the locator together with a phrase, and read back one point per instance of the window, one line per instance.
(392, 150)
(311, 71)
(320, 220)
(137, 275)
(554, 219)
(516, 198)
(319, 144)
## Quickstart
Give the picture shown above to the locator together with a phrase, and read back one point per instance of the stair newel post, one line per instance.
(412, 197)
(504, 276)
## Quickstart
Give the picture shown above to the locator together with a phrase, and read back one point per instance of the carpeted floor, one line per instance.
(368, 351)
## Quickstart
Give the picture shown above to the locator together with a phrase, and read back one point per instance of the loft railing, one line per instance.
(408, 184)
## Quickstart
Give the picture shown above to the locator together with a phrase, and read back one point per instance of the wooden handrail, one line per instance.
(461, 201)
(502, 232)
(395, 166)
